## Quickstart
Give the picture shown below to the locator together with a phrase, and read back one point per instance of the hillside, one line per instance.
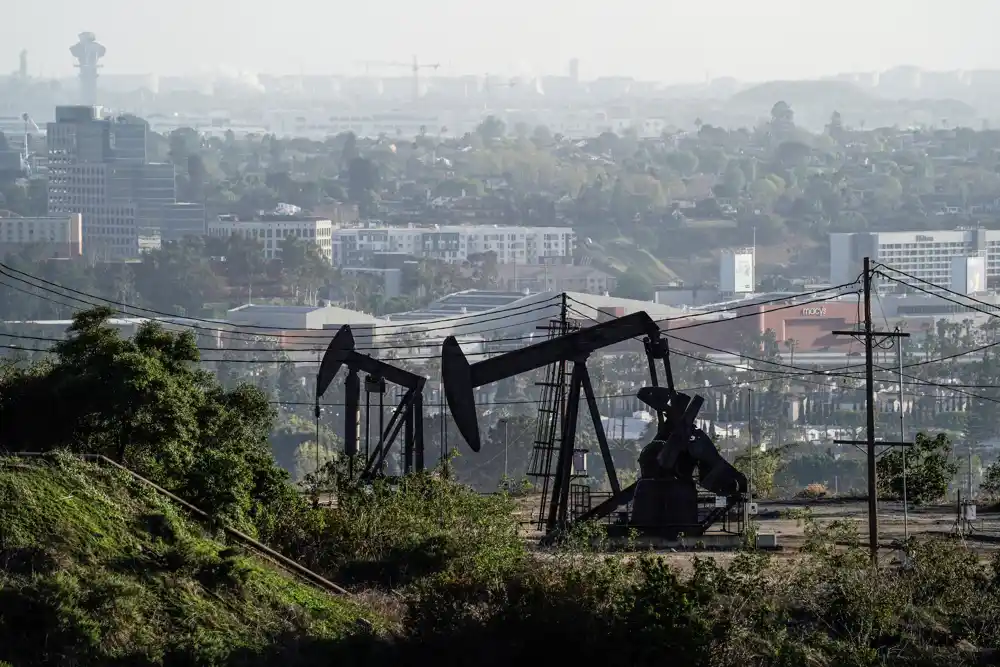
(96, 569)
(618, 255)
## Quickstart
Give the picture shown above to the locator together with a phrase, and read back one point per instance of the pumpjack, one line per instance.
(665, 500)
(408, 413)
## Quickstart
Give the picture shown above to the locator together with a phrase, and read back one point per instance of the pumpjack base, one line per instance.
(705, 542)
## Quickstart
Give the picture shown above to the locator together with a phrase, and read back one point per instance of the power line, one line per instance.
(450, 320)
(4, 268)
(420, 343)
(992, 309)
(101, 301)
(668, 334)
(740, 306)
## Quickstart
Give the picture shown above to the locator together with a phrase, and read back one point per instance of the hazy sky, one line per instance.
(666, 40)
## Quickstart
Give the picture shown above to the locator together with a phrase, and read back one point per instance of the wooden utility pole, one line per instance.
(870, 339)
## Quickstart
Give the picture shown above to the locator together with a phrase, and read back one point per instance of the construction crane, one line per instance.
(26, 155)
(414, 66)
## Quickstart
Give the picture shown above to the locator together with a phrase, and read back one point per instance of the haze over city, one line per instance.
(671, 41)
(431, 332)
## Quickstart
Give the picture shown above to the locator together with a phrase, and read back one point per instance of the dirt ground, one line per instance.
(773, 518)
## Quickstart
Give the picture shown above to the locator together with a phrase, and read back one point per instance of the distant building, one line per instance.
(271, 230)
(926, 255)
(57, 237)
(301, 332)
(555, 278)
(390, 280)
(182, 219)
(456, 243)
(97, 167)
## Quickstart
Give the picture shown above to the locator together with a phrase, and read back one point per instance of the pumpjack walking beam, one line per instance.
(460, 379)
(409, 411)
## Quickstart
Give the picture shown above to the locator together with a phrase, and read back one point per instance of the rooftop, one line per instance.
(461, 303)
(273, 218)
(331, 314)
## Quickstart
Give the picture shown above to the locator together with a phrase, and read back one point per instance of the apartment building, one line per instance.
(56, 237)
(271, 230)
(456, 243)
(927, 255)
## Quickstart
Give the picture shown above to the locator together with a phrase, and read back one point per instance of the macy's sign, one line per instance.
(819, 311)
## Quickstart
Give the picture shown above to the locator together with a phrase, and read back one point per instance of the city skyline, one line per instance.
(670, 42)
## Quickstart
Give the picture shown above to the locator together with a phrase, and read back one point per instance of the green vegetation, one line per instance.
(929, 470)
(621, 256)
(96, 569)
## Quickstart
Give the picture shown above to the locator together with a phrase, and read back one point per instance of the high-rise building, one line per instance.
(97, 167)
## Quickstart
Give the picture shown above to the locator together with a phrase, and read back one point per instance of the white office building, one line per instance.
(271, 230)
(455, 243)
(925, 255)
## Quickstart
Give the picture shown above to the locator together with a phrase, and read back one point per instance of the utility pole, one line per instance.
(750, 439)
(869, 338)
(506, 443)
(902, 435)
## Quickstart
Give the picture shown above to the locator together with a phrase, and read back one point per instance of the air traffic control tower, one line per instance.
(87, 53)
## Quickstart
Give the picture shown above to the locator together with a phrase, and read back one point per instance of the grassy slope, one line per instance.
(96, 569)
(618, 255)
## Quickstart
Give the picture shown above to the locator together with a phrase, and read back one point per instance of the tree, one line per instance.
(733, 181)
(782, 115)
(766, 466)
(929, 470)
(145, 402)
(634, 285)
(991, 481)
(792, 153)
(177, 278)
(683, 162)
(491, 128)
(713, 160)
(362, 177)
(304, 267)
(542, 136)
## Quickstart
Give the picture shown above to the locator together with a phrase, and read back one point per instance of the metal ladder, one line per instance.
(551, 412)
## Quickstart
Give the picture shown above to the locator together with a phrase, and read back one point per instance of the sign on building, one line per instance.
(968, 274)
(736, 272)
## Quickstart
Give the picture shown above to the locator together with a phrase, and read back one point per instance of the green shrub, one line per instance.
(390, 535)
